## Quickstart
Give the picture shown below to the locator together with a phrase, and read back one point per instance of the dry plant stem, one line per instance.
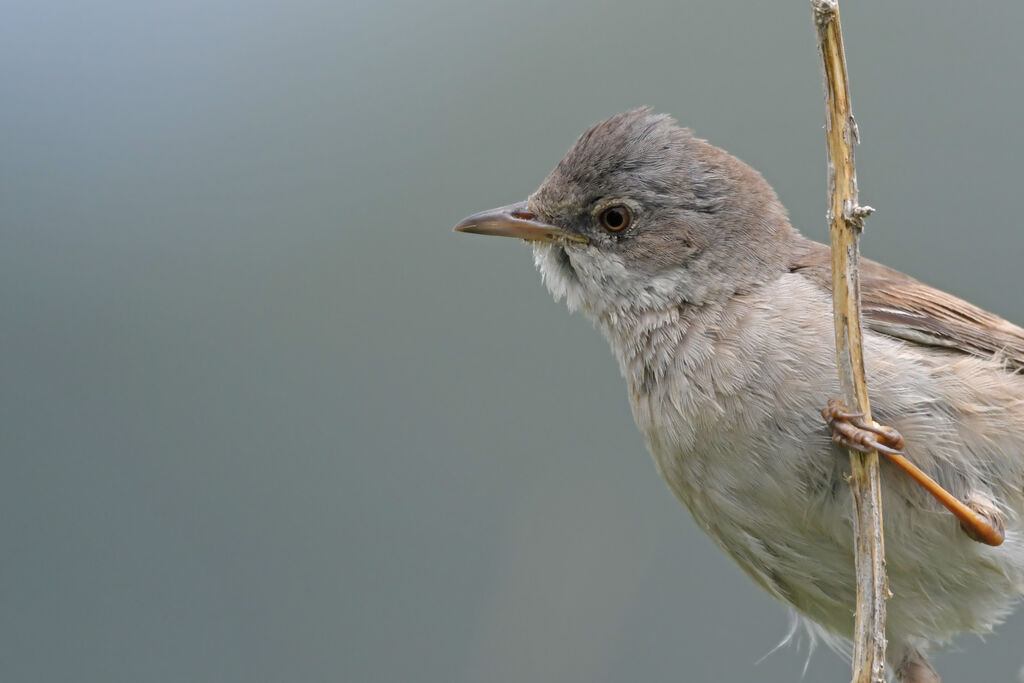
(846, 218)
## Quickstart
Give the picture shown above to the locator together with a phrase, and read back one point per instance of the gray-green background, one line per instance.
(265, 418)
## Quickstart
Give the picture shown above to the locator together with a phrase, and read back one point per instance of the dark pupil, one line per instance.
(614, 218)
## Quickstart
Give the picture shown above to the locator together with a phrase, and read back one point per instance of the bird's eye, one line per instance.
(616, 218)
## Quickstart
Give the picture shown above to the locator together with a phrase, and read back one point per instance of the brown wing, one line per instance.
(900, 306)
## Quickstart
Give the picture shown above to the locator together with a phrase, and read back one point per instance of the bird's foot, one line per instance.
(979, 517)
(914, 668)
(850, 429)
(991, 517)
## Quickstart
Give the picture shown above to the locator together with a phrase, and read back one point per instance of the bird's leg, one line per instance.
(979, 518)
(914, 668)
(988, 511)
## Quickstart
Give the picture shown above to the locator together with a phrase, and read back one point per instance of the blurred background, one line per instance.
(265, 418)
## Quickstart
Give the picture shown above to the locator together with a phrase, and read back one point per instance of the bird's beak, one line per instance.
(516, 220)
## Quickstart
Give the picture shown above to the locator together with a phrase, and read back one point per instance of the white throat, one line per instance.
(644, 318)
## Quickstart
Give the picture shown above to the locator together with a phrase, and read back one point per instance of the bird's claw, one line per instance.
(979, 517)
(850, 429)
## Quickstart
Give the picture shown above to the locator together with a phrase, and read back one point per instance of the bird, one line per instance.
(719, 314)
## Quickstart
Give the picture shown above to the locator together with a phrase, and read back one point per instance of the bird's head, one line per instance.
(640, 215)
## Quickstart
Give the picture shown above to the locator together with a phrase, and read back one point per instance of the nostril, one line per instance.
(524, 215)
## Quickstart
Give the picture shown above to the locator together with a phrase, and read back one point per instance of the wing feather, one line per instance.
(897, 305)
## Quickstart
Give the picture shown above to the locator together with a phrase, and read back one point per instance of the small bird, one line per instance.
(720, 316)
